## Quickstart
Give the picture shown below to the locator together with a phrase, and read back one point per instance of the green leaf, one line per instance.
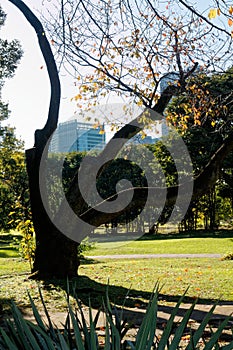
(199, 332)
(7, 340)
(63, 343)
(93, 335)
(215, 336)
(36, 314)
(77, 334)
(180, 330)
(146, 333)
(25, 333)
(107, 345)
(167, 331)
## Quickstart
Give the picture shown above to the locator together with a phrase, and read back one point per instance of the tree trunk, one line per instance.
(56, 255)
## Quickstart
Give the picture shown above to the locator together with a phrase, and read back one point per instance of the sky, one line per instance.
(28, 92)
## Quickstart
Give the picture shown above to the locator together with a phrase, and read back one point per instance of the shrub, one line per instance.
(27, 243)
(80, 334)
(228, 256)
(85, 246)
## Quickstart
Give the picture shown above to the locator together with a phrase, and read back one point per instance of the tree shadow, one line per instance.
(221, 233)
(135, 302)
(8, 252)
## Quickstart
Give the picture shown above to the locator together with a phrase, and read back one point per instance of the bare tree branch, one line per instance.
(198, 14)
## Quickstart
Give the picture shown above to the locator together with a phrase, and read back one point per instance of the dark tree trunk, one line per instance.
(56, 255)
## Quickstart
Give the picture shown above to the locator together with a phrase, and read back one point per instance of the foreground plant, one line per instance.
(78, 333)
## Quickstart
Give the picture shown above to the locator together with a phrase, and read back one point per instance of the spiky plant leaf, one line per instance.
(146, 333)
(180, 330)
(8, 344)
(199, 332)
(215, 336)
(167, 331)
(107, 345)
(77, 333)
(28, 340)
(36, 313)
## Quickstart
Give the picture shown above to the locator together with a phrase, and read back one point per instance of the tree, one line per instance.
(14, 194)
(10, 55)
(129, 47)
(209, 122)
(12, 175)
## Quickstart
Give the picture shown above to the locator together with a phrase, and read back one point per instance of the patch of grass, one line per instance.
(8, 247)
(210, 279)
(207, 279)
(13, 266)
(14, 285)
(167, 245)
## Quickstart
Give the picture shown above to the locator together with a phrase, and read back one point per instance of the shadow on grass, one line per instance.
(8, 252)
(191, 234)
(160, 236)
(8, 245)
(136, 301)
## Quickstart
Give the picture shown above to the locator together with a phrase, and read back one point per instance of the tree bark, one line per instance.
(56, 255)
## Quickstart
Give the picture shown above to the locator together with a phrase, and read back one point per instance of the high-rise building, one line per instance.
(77, 136)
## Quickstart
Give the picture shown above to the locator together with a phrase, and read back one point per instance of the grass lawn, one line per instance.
(210, 279)
(206, 278)
(221, 243)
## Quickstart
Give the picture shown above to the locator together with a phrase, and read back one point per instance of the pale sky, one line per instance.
(28, 91)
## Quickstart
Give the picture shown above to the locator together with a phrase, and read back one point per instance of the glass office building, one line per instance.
(77, 136)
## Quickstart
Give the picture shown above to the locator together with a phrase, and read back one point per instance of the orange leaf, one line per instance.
(231, 10)
(230, 22)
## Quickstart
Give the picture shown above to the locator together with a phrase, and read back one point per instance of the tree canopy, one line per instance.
(147, 53)
(13, 180)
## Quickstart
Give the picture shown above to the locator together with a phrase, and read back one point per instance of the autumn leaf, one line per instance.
(213, 13)
(231, 10)
(186, 337)
(140, 103)
(78, 97)
(230, 22)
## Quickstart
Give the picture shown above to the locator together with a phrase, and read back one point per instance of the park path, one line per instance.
(153, 256)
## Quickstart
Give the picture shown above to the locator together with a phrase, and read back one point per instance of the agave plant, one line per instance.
(81, 334)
